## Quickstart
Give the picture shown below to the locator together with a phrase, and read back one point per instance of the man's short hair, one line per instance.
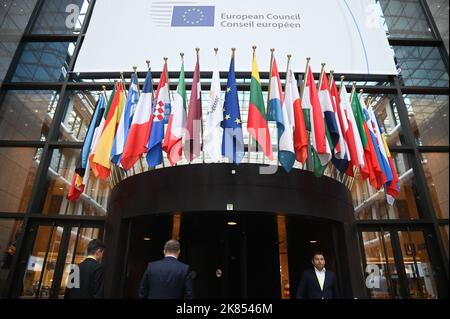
(172, 246)
(317, 253)
(95, 245)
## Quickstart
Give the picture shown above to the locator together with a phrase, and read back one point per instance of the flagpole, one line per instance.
(197, 50)
(331, 77)
(322, 74)
(342, 84)
(270, 78)
(123, 84)
(137, 80)
(289, 56)
(302, 89)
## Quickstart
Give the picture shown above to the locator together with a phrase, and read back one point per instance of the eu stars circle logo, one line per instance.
(193, 16)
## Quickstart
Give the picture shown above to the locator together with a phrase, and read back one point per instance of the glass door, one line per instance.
(55, 248)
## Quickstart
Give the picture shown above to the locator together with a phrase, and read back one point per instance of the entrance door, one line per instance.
(232, 255)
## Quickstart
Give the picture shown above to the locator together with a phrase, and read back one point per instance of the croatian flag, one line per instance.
(154, 153)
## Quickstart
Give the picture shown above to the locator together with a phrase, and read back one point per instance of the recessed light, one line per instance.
(313, 241)
(231, 223)
(147, 238)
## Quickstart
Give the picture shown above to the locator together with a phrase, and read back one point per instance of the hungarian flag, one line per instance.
(125, 121)
(313, 111)
(233, 139)
(154, 153)
(257, 125)
(138, 135)
(353, 139)
(212, 140)
(193, 123)
(286, 154)
(101, 160)
(172, 144)
(293, 106)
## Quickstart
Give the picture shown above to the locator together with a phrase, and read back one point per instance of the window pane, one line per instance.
(60, 17)
(92, 202)
(79, 110)
(371, 204)
(379, 257)
(435, 166)
(18, 171)
(27, 115)
(445, 237)
(385, 107)
(40, 261)
(428, 115)
(419, 272)
(9, 232)
(405, 19)
(14, 16)
(421, 66)
(439, 10)
(44, 61)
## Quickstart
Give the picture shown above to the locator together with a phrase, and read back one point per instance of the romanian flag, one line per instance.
(76, 188)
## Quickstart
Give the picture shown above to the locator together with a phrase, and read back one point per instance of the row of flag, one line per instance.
(340, 127)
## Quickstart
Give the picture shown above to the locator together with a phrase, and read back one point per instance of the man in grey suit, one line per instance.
(167, 278)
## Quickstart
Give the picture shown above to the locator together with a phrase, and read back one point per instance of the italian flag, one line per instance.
(257, 122)
(172, 144)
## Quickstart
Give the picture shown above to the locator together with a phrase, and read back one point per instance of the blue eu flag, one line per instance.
(233, 140)
(193, 16)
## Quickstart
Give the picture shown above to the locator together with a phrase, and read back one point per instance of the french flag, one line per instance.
(136, 143)
(154, 153)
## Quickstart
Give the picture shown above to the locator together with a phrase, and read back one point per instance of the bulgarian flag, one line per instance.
(257, 125)
(101, 162)
(319, 134)
(172, 144)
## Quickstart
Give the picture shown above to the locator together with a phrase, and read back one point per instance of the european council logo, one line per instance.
(193, 16)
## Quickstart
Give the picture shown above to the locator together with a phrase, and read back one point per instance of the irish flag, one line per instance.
(257, 123)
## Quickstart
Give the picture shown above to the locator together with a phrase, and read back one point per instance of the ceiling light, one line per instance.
(147, 238)
(313, 241)
(231, 223)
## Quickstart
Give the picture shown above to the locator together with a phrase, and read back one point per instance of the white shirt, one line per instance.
(320, 276)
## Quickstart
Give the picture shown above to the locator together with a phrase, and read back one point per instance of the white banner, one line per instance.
(345, 34)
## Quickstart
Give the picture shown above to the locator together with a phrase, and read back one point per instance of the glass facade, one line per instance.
(42, 131)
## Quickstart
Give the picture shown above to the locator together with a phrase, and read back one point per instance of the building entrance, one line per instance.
(234, 255)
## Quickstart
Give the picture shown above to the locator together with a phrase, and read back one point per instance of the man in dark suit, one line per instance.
(317, 282)
(90, 275)
(167, 278)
